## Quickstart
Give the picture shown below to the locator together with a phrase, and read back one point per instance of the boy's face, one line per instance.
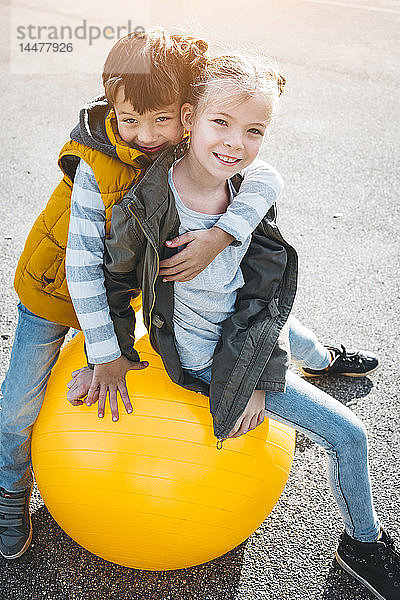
(151, 132)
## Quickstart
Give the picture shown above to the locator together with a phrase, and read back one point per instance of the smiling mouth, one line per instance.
(227, 160)
(150, 149)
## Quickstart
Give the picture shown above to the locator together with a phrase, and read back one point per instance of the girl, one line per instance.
(223, 332)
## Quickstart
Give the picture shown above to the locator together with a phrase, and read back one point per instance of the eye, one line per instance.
(220, 122)
(256, 131)
(130, 121)
(162, 119)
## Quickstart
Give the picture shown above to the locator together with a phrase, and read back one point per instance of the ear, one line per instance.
(187, 111)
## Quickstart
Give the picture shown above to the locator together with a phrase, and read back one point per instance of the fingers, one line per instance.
(172, 262)
(244, 428)
(112, 396)
(246, 423)
(75, 397)
(75, 373)
(261, 417)
(236, 427)
(133, 366)
(75, 402)
(123, 391)
(185, 238)
(102, 401)
(77, 392)
(182, 276)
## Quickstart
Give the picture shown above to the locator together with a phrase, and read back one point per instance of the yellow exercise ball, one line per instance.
(151, 491)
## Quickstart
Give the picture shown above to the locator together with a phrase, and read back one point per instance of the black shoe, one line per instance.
(351, 364)
(376, 565)
(15, 523)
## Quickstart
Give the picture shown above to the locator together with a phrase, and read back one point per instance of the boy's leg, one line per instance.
(35, 350)
(316, 360)
(337, 429)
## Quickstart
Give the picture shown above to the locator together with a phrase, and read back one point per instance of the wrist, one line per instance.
(221, 237)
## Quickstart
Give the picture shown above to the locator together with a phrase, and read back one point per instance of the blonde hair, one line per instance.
(242, 76)
(155, 68)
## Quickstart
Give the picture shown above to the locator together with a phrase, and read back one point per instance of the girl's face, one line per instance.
(151, 132)
(226, 136)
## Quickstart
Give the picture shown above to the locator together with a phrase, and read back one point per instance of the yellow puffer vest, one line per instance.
(40, 276)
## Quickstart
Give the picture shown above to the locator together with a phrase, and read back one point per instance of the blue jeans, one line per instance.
(337, 429)
(35, 351)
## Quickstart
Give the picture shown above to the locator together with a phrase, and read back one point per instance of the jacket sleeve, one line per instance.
(122, 253)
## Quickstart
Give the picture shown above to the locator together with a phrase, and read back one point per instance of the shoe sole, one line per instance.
(27, 543)
(358, 577)
(305, 374)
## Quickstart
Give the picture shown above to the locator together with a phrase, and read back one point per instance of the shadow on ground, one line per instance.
(57, 568)
(340, 586)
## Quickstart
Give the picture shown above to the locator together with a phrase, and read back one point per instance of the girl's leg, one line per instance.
(305, 347)
(337, 429)
(35, 350)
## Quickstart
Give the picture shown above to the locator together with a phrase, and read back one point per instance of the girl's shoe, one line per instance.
(15, 523)
(351, 364)
(376, 565)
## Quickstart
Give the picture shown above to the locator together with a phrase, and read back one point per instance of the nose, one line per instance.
(235, 141)
(145, 136)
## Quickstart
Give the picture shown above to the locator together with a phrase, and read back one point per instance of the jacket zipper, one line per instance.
(158, 266)
(253, 360)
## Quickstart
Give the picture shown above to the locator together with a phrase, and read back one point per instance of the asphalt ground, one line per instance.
(335, 141)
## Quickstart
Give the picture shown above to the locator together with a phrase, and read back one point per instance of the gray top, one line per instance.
(202, 304)
(260, 188)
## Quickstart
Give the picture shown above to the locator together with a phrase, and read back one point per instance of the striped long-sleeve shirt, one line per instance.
(260, 188)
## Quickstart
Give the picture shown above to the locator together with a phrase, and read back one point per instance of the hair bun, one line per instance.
(201, 46)
(281, 83)
(195, 51)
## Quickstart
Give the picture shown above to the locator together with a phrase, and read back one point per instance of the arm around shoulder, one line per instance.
(259, 190)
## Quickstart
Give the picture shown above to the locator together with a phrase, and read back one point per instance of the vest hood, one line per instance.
(91, 129)
(98, 129)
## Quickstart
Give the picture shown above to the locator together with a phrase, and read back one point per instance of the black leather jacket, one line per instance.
(253, 351)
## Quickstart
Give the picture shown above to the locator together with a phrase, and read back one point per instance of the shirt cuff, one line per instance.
(231, 230)
(103, 352)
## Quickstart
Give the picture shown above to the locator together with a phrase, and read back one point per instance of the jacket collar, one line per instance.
(148, 195)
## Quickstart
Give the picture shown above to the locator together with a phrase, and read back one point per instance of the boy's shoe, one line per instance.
(15, 523)
(351, 364)
(375, 565)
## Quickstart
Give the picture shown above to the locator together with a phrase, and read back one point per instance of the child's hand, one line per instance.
(110, 377)
(203, 245)
(79, 385)
(253, 415)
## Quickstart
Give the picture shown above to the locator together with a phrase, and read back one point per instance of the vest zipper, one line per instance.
(158, 266)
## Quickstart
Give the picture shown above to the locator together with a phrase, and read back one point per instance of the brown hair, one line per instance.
(155, 69)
